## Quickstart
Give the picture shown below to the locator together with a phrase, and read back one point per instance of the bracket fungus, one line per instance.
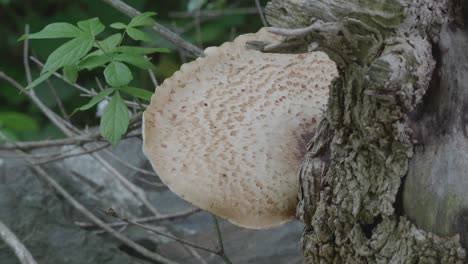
(228, 131)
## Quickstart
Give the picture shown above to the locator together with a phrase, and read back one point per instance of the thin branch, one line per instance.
(111, 212)
(316, 26)
(166, 33)
(260, 12)
(153, 79)
(196, 20)
(143, 219)
(52, 143)
(77, 86)
(62, 157)
(74, 140)
(151, 183)
(293, 32)
(215, 13)
(219, 253)
(78, 206)
(40, 155)
(53, 117)
(24, 256)
(195, 254)
(128, 164)
(57, 100)
(137, 192)
(99, 84)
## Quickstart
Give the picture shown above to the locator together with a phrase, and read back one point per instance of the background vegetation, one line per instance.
(202, 22)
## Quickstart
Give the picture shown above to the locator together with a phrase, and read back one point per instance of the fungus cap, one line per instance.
(228, 131)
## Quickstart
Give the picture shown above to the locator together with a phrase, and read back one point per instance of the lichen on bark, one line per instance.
(352, 174)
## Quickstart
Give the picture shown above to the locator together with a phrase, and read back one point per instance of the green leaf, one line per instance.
(91, 62)
(70, 72)
(143, 19)
(137, 34)
(39, 80)
(92, 26)
(140, 51)
(109, 43)
(55, 30)
(136, 60)
(18, 122)
(137, 92)
(69, 53)
(96, 99)
(118, 25)
(117, 74)
(114, 120)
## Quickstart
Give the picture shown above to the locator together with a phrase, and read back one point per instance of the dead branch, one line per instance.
(144, 219)
(219, 252)
(166, 33)
(24, 256)
(66, 156)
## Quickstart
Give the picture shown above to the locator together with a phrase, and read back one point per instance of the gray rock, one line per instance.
(44, 221)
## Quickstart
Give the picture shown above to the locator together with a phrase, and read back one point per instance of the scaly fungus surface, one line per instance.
(228, 131)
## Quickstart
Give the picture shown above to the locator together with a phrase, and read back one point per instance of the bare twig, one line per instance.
(61, 157)
(317, 25)
(151, 183)
(143, 219)
(111, 212)
(196, 20)
(127, 184)
(215, 13)
(166, 33)
(78, 206)
(24, 256)
(153, 78)
(195, 254)
(77, 86)
(96, 137)
(40, 155)
(260, 12)
(219, 253)
(53, 117)
(99, 84)
(128, 164)
(57, 100)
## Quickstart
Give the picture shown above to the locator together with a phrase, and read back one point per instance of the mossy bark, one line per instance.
(351, 177)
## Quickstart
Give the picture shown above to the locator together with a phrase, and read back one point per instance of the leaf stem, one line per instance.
(100, 47)
(121, 38)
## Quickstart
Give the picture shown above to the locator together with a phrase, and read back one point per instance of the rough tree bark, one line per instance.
(351, 195)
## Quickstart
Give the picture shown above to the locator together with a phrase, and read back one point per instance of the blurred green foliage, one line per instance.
(21, 120)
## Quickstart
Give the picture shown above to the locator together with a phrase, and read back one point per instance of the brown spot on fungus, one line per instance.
(254, 153)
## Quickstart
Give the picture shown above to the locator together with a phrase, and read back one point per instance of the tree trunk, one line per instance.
(381, 126)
